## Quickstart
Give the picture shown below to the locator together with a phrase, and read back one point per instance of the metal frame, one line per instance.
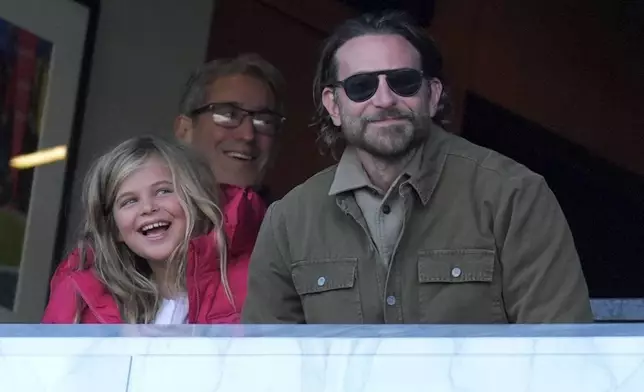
(70, 26)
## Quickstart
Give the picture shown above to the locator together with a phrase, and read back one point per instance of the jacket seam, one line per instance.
(298, 191)
(504, 175)
(98, 316)
(278, 246)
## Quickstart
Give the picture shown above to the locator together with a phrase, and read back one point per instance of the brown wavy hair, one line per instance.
(330, 137)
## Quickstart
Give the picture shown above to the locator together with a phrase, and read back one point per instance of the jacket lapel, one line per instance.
(98, 300)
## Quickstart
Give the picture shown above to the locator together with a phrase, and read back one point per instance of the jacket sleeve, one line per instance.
(542, 277)
(63, 298)
(271, 297)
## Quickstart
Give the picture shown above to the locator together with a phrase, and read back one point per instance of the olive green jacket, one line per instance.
(483, 241)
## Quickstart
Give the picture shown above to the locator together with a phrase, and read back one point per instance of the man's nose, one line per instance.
(383, 97)
(246, 130)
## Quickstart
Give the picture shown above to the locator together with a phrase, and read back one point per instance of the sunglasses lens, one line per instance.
(405, 82)
(361, 87)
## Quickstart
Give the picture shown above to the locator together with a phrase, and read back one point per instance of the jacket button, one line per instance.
(456, 272)
(321, 281)
(386, 209)
(391, 300)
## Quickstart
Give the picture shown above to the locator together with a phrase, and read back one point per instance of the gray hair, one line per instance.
(251, 64)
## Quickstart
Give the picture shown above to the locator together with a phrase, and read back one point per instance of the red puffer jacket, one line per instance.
(207, 301)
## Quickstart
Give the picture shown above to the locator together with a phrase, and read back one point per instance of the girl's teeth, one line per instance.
(154, 226)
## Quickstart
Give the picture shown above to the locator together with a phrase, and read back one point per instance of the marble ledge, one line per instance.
(322, 331)
(589, 358)
(224, 347)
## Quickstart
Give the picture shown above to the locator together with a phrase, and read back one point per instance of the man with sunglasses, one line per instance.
(414, 225)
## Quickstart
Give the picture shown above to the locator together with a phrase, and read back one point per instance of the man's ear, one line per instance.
(329, 100)
(435, 92)
(183, 128)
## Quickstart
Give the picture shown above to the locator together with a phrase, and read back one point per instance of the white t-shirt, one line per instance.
(173, 311)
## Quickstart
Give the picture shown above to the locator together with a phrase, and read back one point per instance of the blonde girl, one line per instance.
(153, 245)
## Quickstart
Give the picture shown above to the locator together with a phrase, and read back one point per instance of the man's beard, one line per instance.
(391, 142)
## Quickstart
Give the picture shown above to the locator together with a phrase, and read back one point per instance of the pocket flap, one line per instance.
(316, 276)
(454, 266)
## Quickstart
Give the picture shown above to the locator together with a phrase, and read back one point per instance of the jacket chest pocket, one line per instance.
(328, 290)
(459, 286)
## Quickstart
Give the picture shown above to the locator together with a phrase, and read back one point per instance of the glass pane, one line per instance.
(24, 65)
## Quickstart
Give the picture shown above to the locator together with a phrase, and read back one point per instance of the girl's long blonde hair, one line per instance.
(126, 275)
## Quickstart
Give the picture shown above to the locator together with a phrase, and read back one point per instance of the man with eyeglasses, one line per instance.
(232, 111)
(413, 225)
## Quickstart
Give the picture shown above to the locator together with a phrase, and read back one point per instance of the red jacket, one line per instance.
(207, 301)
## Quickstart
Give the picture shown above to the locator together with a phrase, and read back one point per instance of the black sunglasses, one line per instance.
(230, 115)
(362, 86)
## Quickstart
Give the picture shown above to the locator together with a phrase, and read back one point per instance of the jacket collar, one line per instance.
(99, 301)
(243, 210)
(423, 170)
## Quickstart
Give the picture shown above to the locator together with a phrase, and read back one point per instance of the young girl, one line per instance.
(153, 248)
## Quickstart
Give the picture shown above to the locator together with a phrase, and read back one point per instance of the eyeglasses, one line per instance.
(230, 115)
(360, 87)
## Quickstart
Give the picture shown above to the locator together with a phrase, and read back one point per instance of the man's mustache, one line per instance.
(390, 114)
